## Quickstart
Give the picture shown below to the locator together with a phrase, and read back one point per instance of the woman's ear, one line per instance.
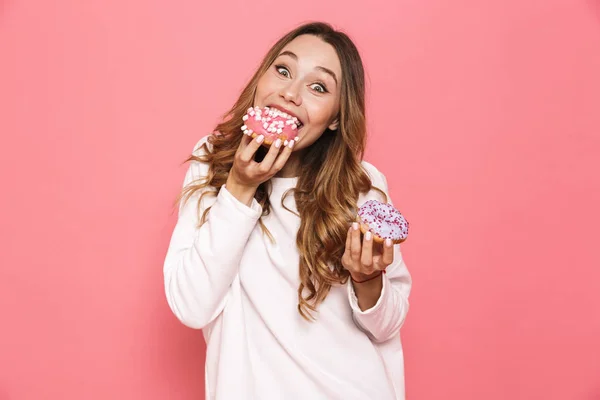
(334, 125)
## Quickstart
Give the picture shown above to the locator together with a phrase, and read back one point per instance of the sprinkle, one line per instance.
(384, 220)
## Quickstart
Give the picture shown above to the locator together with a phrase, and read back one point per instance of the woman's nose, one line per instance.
(291, 93)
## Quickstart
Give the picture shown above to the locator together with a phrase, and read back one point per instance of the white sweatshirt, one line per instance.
(229, 280)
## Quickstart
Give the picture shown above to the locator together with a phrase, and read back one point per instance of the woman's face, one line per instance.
(304, 81)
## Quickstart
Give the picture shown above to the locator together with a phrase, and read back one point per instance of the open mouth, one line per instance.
(290, 118)
(273, 123)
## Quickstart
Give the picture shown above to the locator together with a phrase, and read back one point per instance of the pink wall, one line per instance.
(484, 115)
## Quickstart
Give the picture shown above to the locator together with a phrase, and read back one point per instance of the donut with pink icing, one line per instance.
(272, 123)
(383, 221)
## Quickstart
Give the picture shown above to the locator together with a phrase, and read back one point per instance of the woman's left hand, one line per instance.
(365, 260)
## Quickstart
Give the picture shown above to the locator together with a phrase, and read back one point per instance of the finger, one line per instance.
(244, 142)
(246, 139)
(377, 263)
(346, 256)
(267, 162)
(366, 258)
(284, 155)
(355, 247)
(349, 241)
(248, 152)
(388, 253)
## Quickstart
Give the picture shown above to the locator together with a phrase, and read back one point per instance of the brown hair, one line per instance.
(331, 174)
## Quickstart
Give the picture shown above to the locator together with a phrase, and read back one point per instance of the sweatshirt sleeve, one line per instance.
(202, 262)
(383, 321)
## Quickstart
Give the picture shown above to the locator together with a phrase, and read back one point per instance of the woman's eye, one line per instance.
(318, 88)
(283, 71)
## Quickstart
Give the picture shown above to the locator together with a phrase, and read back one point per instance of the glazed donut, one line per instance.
(383, 221)
(272, 123)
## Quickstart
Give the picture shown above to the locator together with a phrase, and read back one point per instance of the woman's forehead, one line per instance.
(313, 52)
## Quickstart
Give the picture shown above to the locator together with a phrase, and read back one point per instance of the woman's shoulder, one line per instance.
(378, 181)
(377, 177)
(199, 148)
(197, 169)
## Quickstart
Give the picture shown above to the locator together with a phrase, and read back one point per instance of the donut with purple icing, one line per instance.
(383, 221)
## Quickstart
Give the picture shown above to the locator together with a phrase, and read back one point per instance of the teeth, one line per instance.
(245, 118)
(244, 127)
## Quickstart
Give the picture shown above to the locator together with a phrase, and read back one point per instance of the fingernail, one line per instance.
(260, 139)
(355, 225)
(277, 143)
(368, 235)
(388, 242)
(285, 143)
(291, 144)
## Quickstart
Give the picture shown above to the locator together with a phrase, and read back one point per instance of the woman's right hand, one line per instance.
(246, 174)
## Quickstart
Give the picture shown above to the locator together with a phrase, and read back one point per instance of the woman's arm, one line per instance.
(383, 320)
(201, 263)
(368, 290)
(384, 300)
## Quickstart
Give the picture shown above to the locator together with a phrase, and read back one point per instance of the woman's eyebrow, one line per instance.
(330, 72)
(289, 53)
(322, 69)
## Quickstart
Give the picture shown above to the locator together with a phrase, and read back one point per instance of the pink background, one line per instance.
(485, 116)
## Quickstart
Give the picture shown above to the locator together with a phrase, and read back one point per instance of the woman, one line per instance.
(265, 258)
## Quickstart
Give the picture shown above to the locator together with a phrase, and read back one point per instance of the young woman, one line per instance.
(265, 258)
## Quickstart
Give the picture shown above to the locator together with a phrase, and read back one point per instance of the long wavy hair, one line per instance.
(331, 175)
